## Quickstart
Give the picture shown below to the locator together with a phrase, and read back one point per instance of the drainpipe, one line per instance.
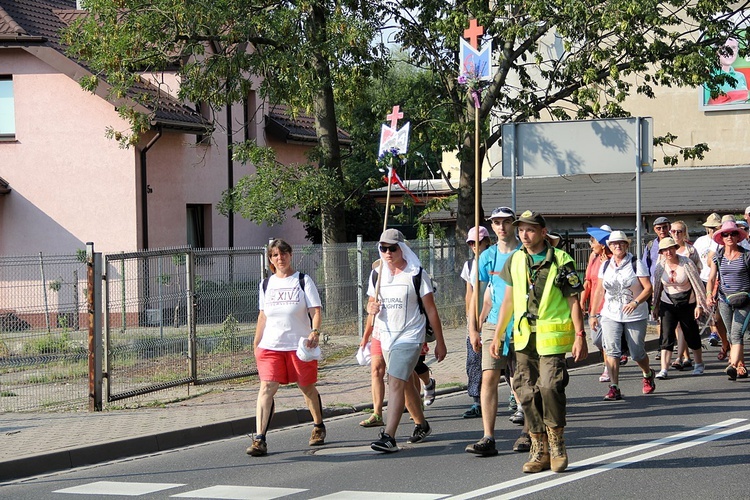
(230, 174)
(144, 189)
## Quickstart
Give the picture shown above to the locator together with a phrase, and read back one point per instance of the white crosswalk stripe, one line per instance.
(239, 493)
(101, 488)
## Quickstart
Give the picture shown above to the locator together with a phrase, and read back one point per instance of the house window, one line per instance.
(251, 110)
(198, 226)
(7, 113)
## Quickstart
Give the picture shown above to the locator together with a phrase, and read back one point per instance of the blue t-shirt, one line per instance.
(491, 262)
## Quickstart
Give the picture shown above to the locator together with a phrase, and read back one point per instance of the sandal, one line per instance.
(741, 370)
(374, 420)
(722, 354)
(676, 365)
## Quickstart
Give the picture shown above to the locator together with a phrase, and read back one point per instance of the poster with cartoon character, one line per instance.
(732, 92)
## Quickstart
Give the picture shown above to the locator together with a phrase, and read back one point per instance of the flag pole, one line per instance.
(477, 183)
(385, 222)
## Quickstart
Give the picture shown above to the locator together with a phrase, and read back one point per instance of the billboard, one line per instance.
(732, 94)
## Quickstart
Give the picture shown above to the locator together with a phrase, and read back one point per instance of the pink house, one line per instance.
(64, 183)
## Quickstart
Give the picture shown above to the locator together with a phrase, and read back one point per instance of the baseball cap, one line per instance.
(660, 220)
(713, 220)
(502, 212)
(391, 236)
(530, 217)
(483, 233)
(747, 210)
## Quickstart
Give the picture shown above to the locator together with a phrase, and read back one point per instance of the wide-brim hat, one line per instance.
(713, 220)
(615, 236)
(667, 242)
(728, 227)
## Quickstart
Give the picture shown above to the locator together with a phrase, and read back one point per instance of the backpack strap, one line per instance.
(265, 284)
(417, 281)
(633, 263)
(301, 282)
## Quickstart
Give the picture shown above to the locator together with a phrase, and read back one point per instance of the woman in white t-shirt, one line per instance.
(626, 286)
(289, 312)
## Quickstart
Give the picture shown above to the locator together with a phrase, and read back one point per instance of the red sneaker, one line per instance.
(649, 384)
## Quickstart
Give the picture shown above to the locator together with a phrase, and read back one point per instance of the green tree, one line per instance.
(563, 59)
(307, 54)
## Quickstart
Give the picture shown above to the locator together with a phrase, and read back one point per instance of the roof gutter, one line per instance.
(144, 189)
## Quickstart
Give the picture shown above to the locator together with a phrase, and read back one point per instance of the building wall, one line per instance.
(70, 184)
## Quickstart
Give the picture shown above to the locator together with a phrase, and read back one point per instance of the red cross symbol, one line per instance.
(394, 117)
(473, 33)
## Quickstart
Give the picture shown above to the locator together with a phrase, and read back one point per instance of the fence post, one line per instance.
(190, 306)
(360, 288)
(432, 254)
(94, 302)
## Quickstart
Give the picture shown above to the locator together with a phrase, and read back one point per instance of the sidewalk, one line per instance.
(36, 443)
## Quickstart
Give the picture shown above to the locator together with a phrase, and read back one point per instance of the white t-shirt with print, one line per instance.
(621, 285)
(399, 320)
(703, 246)
(285, 306)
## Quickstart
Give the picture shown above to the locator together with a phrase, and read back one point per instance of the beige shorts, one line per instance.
(488, 362)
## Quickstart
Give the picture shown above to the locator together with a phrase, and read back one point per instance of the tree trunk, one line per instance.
(465, 216)
(333, 223)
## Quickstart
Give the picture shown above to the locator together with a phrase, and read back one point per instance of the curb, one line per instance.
(105, 452)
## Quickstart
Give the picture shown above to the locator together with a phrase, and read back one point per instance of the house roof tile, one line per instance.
(671, 191)
(45, 19)
(299, 127)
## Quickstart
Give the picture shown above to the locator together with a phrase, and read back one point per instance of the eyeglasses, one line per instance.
(733, 234)
(389, 248)
(497, 222)
(677, 231)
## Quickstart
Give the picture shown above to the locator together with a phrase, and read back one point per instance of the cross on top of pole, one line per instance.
(394, 116)
(473, 33)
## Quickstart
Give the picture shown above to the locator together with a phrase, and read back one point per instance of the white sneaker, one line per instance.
(604, 377)
(698, 368)
(662, 375)
(429, 393)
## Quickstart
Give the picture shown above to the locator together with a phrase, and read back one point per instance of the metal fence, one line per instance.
(171, 317)
(43, 332)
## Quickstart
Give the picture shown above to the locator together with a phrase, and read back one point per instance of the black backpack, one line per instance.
(417, 282)
(633, 262)
(301, 285)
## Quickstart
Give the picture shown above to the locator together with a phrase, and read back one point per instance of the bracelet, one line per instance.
(582, 333)
(636, 302)
(315, 331)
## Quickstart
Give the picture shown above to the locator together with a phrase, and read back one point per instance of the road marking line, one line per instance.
(118, 488)
(224, 492)
(379, 495)
(621, 463)
(599, 459)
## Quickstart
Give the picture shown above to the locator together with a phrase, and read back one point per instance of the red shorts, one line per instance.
(285, 367)
(375, 348)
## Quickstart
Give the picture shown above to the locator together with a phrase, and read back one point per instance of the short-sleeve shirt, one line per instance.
(399, 320)
(538, 267)
(285, 305)
(703, 246)
(491, 263)
(621, 285)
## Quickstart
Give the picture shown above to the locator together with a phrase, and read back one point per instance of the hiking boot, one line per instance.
(429, 393)
(258, 448)
(662, 375)
(474, 412)
(517, 417)
(699, 368)
(318, 436)
(523, 443)
(623, 360)
(512, 403)
(557, 453)
(385, 443)
(614, 394)
(420, 432)
(538, 455)
(485, 447)
(649, 384)
(604, 377)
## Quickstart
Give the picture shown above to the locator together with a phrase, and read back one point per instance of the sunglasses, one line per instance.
(672, 276)
(389, 248)
(677, 231)
(733, 234)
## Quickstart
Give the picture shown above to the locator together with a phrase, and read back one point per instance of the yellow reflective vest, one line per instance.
(555, 333)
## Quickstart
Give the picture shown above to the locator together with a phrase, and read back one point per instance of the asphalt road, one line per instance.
(690, 439)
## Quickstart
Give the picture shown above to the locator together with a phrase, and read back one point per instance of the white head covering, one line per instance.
(391, 237)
